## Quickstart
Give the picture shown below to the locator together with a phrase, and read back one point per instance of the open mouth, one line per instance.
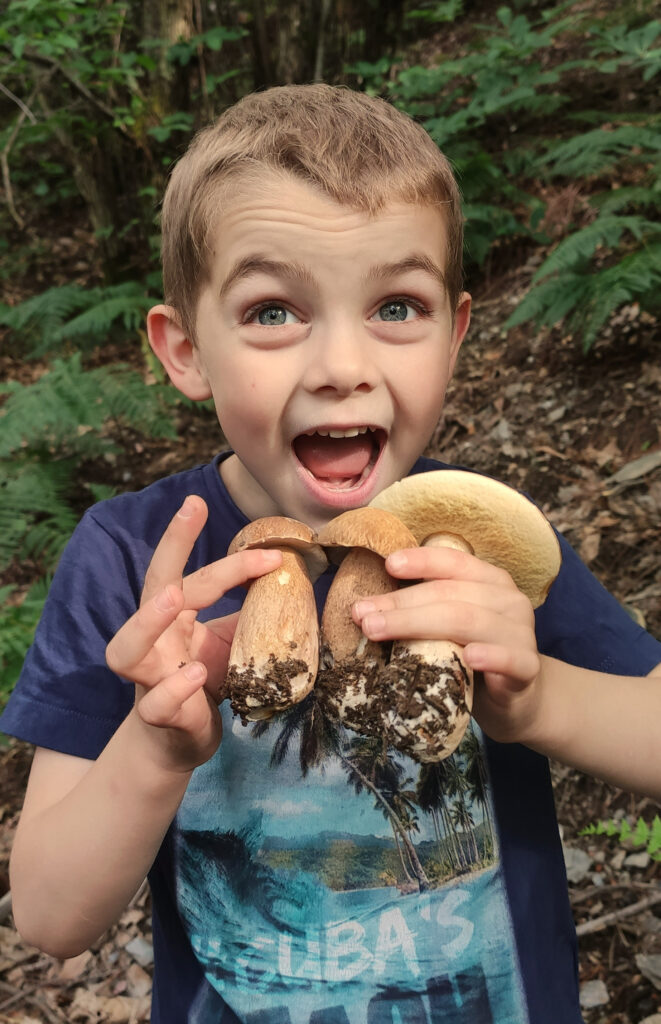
(340, 459)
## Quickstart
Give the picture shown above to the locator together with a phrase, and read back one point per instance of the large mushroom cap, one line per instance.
(501, 525)
(375, 529)
(279, 532)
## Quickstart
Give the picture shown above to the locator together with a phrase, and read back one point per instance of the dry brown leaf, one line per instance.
(139, 982)
(590, 544)
(89, 1008)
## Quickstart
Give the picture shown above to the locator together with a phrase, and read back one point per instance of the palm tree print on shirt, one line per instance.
(452, 795)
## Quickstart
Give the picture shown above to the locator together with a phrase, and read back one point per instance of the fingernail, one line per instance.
(194, 672)
(272, 555)
(397, 561)
(374, 625)
(164, 601)
(363, 608)
(186, 509)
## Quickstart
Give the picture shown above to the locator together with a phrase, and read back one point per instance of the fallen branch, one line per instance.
(618, 915)
(581, 895)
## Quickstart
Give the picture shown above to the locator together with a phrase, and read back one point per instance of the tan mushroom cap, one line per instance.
(500, 524)
(278, 532)
(375, 529)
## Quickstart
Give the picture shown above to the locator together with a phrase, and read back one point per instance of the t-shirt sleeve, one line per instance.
(66, 698)
(582, 624)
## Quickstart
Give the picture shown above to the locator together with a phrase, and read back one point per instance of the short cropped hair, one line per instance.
(358, 150)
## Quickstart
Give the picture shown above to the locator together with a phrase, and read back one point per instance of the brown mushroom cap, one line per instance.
(375, 529)
(278, 532)
(500, 524)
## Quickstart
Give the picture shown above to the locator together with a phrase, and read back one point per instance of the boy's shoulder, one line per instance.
(146, 512)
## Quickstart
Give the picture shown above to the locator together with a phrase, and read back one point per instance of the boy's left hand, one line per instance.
(478, 606)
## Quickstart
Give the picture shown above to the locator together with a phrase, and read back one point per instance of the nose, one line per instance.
(342, 360)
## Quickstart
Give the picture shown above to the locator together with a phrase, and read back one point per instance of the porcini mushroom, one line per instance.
(350, 663)
(275, 652)
(427, 684)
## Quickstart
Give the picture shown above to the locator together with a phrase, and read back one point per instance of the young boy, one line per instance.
(301, 873)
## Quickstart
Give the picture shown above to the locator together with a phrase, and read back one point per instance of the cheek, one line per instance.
(422, 390)
(246, 403)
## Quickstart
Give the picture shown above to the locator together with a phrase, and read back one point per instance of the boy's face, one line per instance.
(327, 341)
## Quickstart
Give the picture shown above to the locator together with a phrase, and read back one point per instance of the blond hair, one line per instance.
(360, 151)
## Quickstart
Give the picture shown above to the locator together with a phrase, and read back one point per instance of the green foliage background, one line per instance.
(550, 116)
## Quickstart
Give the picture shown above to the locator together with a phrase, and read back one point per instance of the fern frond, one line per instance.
(45, 321)
(41, 316)
(588, 300)
(575, 252)
(634, 197)
(18, 621)
(635, 278)
(550, 301)
(67, 410)
(36, 519)
(596, 151)
(125, 302)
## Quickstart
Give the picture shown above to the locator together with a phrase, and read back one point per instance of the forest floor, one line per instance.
(582, 435)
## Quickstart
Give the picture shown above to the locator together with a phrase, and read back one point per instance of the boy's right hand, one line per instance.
(178, 663)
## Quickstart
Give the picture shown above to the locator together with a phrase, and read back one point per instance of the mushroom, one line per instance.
(275, 652)
(350, 663)
(431, 685)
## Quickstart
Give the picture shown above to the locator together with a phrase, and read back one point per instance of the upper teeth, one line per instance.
(350, 432)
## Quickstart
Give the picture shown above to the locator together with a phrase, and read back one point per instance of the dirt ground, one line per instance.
(581, 434)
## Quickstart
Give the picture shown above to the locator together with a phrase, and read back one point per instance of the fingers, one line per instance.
(173, 550)
(162, 705)
(137, 637)
(506, 670)
(461, 622)
(203, 587)
(461, 599)
(444, 563)
(507, 600)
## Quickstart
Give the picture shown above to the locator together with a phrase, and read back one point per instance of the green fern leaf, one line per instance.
(68, 409)
(127, 303)
(18, 621)
(36, 518)
(41, 316)
(575, 252)
(598, 150)
(44, 321)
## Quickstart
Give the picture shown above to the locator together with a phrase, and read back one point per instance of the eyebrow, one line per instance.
(416, 261)
(248, 266)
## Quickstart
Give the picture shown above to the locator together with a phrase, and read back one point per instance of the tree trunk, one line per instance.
(418, 869)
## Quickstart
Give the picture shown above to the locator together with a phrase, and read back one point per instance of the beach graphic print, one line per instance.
(325, 879)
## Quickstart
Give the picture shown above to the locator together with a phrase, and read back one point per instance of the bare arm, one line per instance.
(90, 830)
(608, 726)
(88, 834)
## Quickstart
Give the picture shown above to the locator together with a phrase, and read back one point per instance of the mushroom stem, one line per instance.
(431, 686)
(448, 540)
(275, 652)
(350, 663)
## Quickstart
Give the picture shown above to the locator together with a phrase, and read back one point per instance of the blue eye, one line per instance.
(275, 316)
(395, 311)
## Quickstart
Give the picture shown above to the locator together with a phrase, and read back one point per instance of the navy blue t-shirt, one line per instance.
(352, 885)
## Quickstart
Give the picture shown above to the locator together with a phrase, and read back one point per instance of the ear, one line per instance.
(462, 318)
(175, 350)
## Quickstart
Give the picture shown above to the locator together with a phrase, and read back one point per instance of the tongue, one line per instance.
(334, 457)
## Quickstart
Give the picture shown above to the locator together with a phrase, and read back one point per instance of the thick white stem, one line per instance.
(432, 688)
